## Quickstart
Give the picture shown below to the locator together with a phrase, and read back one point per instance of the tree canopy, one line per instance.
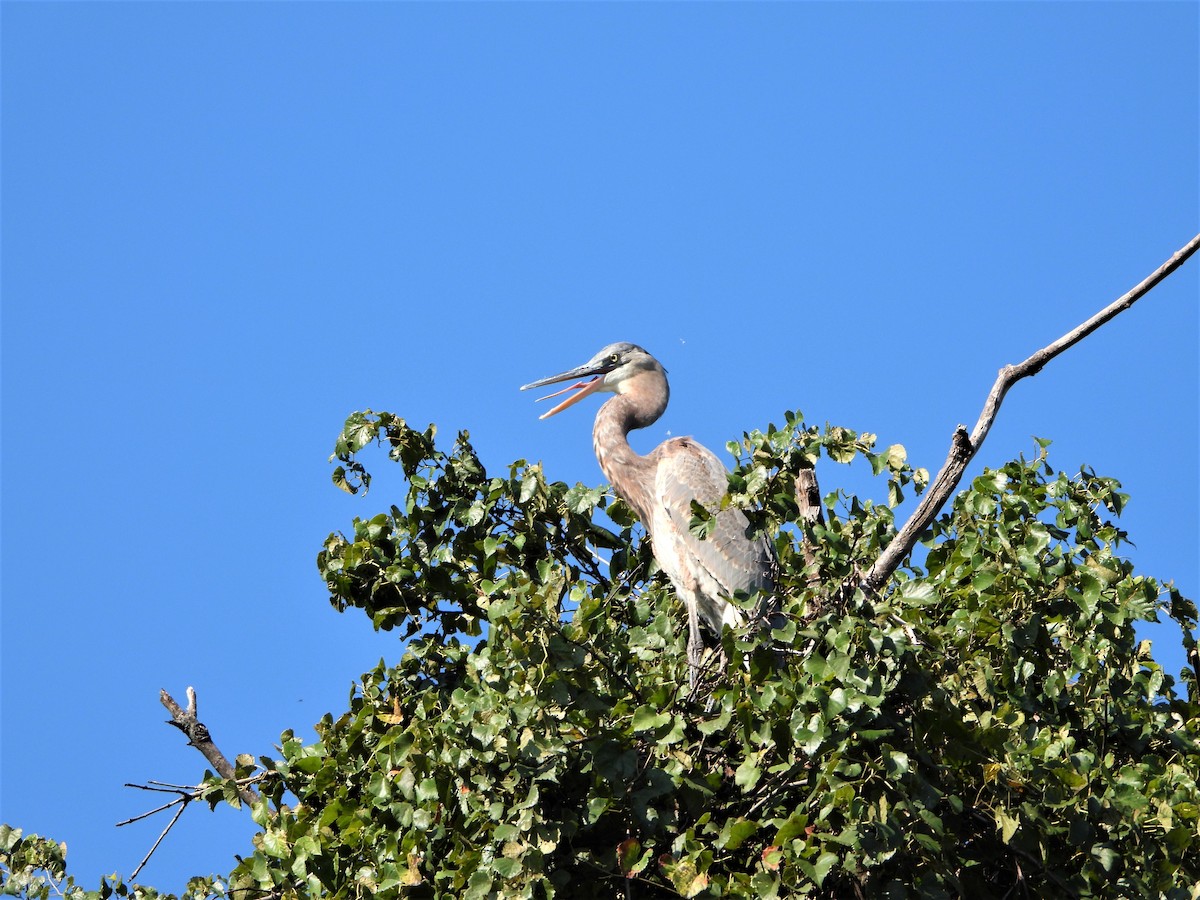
(986, 724)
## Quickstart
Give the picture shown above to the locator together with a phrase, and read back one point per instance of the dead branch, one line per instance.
(963, 447)
(199, 737)
(184, 794)
(808, 500)
(145, 859)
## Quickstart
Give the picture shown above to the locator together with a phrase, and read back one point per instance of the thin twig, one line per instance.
(170, 825)
(186, 793)
(183, 798)
(963, 447)
(164, 787)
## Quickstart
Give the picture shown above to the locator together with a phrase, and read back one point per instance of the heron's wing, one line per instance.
(731, 558)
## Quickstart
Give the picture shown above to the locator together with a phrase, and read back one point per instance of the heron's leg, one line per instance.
(695, 645)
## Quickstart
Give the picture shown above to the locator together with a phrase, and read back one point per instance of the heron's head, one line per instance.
(617, 369)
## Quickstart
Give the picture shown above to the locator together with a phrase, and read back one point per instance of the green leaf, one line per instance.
(792, 828)
(747, 774)
(628, 853)
(596, 807)
(735, 832)
(895, 761)
(1106, 856)
(1007, 824)
(506, 867)
(819, 870)
(984, 580)
(647, 719)
(273, 843)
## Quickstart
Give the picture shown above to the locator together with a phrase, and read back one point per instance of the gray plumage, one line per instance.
(661, 487)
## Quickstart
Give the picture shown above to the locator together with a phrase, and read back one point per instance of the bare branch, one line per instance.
(198, 736)
(808, 500)
(185, 793)
(183, 802)
(963, 447)
(184, 797)
(164, 786)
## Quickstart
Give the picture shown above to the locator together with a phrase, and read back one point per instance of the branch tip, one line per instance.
(964, 446)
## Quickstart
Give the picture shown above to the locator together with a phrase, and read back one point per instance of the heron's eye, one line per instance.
(616, 357)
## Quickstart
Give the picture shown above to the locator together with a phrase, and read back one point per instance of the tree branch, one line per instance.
(198, 736)
(183, 803)
(808, 500)
(184, 794)
(963, 447)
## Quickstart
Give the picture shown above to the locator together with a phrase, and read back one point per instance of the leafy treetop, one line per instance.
(988, 723)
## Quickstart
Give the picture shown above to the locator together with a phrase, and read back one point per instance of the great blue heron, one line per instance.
(661, 487)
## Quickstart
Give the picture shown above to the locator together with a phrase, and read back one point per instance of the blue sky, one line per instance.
(226, 226)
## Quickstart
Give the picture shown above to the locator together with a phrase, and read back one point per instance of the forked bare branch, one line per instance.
(184, 794)
(182, 801)
(198, 736)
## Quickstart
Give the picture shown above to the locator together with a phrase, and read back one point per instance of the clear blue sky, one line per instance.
(226, 226)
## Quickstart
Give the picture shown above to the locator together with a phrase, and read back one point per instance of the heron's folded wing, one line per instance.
(735, 558)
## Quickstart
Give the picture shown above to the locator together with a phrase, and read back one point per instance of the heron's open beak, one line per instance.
(585, 388)
(590, 386)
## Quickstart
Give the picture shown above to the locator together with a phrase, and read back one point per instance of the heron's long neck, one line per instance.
(630, 473)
